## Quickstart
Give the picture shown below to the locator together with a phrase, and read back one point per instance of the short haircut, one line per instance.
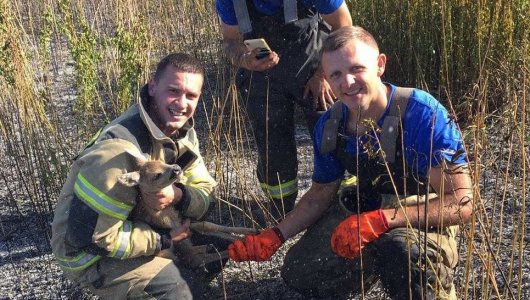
(182, 62)
(340, 37)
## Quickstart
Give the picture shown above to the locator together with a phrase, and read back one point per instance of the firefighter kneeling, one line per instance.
(412, 188)
(95, 237)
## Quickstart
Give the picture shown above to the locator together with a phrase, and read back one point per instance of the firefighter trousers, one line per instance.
(411, 264)
(145, 277)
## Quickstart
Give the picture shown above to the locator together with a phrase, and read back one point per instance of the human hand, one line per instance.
(318, 86)
(180, 232)
(368, 226)
(250, 61)
(257, 247)
(163, 198)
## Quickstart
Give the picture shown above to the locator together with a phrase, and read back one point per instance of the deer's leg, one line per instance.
(208, 227)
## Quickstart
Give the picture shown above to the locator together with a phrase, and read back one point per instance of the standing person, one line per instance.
(397, 142)
(93, 237)
(273, 84)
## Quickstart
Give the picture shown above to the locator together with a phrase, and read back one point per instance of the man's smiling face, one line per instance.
(354, 72)
(174, 98)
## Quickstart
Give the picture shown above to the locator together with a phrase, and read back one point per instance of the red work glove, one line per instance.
(344, 240)
(257, 247)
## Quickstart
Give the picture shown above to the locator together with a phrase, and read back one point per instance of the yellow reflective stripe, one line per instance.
(203, 195)
(80, 262)
(90, 142)
(99, 200)
(195, 179)
(122, 249)
(351, 181)
(94, 137)
(197, 175)
(374, 182)
(347, 183)
(282, 190)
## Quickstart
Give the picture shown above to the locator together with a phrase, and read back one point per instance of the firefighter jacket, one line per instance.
(92, 214)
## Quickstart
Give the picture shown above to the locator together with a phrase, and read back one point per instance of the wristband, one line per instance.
(166, 243)
(162, 242)
(185, 200)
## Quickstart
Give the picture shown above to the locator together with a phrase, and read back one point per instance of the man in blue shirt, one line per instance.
(398, 222)
(289, 74)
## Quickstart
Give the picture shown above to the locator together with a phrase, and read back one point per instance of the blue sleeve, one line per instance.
(225, 10)
(430, 136)
(327, 6)
(326, 167)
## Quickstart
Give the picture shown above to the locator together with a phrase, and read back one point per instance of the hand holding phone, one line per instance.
(259, 57)
(263, 48)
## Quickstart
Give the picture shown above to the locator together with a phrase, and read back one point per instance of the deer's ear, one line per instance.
(129, 179)
(137, 158)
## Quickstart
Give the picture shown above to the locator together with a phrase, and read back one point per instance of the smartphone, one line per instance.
(260, 44)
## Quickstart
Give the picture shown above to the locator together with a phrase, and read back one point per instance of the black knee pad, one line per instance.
(168, 285)
(403, 270)
(321, 277)
(214, 245)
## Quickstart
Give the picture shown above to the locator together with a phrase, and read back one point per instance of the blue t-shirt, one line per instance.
(225, 8)
(425, 120)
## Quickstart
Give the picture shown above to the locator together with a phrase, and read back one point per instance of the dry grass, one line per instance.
(67, 67)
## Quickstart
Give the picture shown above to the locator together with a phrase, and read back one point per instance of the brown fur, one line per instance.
(151, 177)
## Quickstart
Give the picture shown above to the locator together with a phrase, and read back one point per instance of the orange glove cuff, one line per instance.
(272, 237)
(378, 221)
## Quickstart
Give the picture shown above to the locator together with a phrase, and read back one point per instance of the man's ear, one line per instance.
(381, 63)
(151, 87)
(129, 179)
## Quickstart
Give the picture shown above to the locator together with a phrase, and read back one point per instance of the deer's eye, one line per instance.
(157, 175)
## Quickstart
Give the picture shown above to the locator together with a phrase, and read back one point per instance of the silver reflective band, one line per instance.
(122, 250)
(99, 201)
(282, 190)
(80, 262)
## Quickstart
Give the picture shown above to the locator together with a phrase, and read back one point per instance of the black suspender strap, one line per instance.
(331, 129)
(290, 11)
(243, 18)
(390, 130)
